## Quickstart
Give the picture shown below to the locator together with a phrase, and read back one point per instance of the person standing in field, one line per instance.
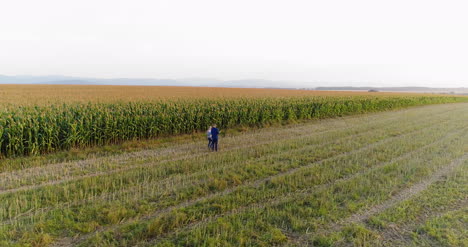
(210, 140)
(214, 138)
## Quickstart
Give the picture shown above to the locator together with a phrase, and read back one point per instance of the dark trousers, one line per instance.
(214, 145)
(210, 143)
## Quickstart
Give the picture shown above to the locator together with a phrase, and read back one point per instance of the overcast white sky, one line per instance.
(359, 42)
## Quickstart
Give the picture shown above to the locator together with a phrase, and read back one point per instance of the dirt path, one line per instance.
(400, 197)
(401, 235)
(405, 194)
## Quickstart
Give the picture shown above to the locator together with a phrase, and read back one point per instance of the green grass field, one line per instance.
(396, 178)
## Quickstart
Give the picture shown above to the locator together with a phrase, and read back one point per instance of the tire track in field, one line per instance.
(401, 234)
(407, 193)
(398, 198)
(304, 192)
(256, 183)
(187, 157)
(122, 159)
(398, 233)
(370, 169)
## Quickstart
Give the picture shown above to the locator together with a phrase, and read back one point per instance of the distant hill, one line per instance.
(398, 89)
(207, 82)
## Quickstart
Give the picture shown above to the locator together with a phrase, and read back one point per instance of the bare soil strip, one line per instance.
(400, 235)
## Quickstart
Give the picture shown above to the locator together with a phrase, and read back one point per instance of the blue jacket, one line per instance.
(214, 133)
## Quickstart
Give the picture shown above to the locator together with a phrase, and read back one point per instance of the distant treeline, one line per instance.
(36, 130)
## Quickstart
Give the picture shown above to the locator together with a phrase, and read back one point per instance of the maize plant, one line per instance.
(30, 130)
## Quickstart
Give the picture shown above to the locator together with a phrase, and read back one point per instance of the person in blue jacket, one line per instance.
(214, 138)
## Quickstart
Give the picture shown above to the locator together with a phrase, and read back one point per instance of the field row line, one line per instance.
(407, 193)
(402, 232)
(401, 196)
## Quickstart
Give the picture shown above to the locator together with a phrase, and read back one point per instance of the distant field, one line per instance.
(396, 178)
(51, 94)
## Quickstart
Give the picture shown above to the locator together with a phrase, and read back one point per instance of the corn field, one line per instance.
(32, 130)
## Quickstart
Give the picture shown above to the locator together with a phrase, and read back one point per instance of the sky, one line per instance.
(311, 43)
